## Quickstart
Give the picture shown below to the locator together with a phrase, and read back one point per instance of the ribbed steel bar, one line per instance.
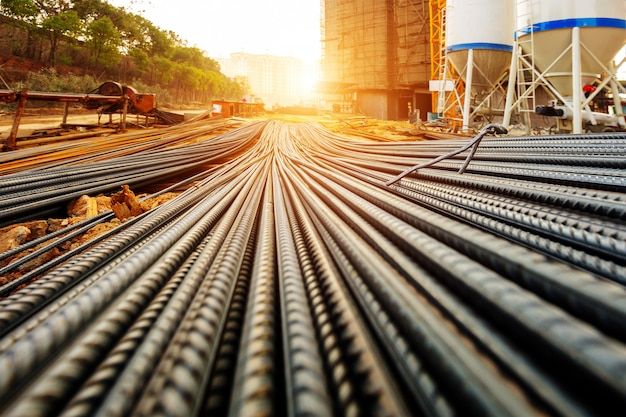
(288, 279)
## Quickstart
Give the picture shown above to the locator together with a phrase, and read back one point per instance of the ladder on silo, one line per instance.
(443, 66)
(525, 43)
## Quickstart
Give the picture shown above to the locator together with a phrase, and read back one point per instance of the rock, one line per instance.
(13, 237)
(40, 260)
(154, 202)
(83, 206)
(125, 204)
(103, 203)
(38, 228)
(89, 207)
(57, 224)
(93, 233)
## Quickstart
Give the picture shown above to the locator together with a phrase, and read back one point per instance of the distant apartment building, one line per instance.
(277, 80)
(376, 56)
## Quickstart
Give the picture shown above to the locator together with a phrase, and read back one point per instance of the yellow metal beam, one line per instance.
(436, 10)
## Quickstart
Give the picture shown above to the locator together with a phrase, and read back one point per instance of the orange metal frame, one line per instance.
(437, 42)
(437, 55)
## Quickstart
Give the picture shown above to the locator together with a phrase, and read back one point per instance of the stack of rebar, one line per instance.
(289, 280)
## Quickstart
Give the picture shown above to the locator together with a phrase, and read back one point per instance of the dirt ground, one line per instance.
(32, 122)
(37, 119)
(360, 126)
(123, 203)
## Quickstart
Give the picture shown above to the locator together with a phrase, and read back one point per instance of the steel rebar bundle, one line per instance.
(288, 279)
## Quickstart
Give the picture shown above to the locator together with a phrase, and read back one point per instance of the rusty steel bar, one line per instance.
(10, 95)
(11, 140)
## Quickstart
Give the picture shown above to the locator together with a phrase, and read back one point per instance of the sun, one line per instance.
(309, 78)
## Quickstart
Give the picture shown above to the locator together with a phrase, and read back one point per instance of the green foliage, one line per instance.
(65, 60)
(65, 23)
(50, 80)
(104, 41)
(61, 23)
(21, 9)
(124, 46)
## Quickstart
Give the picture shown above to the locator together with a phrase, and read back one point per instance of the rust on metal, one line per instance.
(11, 142)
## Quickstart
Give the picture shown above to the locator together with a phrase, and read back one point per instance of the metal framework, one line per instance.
(525, 78)
(376, 54)
(445, 102)
(21, 97)
(412, 25)
(437, 10)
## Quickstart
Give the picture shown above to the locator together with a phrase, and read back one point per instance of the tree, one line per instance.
(55, 16)
(114, 35)
(104, 40)
(161, 71)
(159, 43)
(20, 9)
(62, 24)
(140, 62)
(26, 12)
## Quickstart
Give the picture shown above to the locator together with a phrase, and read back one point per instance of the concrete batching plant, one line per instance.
(479, 51)
(565, 54)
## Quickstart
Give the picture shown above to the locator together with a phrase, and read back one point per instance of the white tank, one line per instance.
(602, 29)
(487, 27)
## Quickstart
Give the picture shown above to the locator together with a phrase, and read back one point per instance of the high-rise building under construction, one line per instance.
(376, 57)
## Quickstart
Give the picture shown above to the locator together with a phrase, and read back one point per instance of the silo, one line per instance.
(602, 31)
(479, 41)
(569, 44)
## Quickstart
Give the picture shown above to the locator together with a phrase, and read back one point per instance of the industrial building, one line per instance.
(275, 80)
(383, 59)
(228, 261)
(537, 63)
(376, 57)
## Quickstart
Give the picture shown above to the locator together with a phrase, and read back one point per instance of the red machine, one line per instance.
(109, 98)
(138, 103)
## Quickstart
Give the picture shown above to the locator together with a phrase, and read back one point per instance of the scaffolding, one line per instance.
(355, 42)
(412, 34)
(438, 70)
(373, 45)
(445, 101)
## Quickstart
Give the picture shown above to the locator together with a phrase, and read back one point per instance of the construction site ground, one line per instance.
(125, 203)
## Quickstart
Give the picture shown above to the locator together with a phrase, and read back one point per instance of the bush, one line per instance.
(65, 60)
(50, 80)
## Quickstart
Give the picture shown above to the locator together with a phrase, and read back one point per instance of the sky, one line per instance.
(220, 27)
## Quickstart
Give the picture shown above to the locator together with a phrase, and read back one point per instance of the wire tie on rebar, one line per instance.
(490, 129)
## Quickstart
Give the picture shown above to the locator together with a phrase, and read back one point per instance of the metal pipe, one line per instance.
(510, 91)
(468, 90)
(577, 88)
(59, 97)
(617, 100)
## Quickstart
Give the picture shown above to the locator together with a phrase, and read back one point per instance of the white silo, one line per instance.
(479, 41)
(571, 43)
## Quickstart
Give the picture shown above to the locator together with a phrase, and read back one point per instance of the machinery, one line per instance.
(109, 98)
(138, 103)
(558, 52)
(479, 52)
